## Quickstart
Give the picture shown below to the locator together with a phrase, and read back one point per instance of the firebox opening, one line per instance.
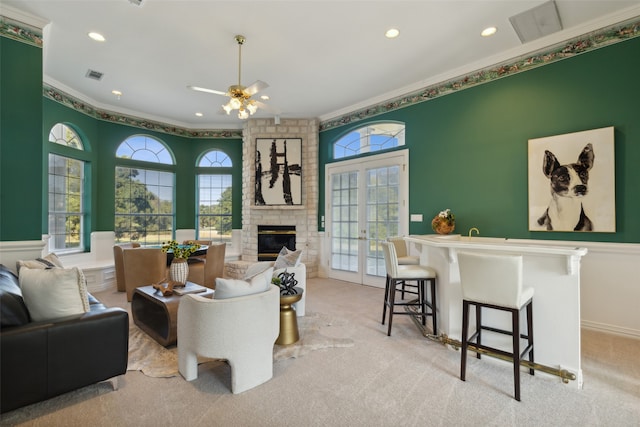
(271, 239)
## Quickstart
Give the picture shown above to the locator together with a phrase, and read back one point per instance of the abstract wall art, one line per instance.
(278, 171)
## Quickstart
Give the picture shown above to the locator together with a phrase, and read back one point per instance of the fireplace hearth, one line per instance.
(271, 239)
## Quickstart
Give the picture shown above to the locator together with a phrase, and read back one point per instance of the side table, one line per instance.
(288, 319)
(157, 315)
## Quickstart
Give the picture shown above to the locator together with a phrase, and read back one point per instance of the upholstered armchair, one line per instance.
(118, 262)
(142, 267)
(205, 273)
(241, 330)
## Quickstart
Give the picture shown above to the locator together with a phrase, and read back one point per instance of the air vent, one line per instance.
(136, 2)
(537, 22)
(93, 74)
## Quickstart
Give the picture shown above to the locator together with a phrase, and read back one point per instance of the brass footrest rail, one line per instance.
(456, 344)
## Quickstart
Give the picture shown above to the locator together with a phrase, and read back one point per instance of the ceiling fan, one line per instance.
(239, 95)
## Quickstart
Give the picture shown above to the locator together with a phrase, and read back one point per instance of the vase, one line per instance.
(443, 227)
(179, 270)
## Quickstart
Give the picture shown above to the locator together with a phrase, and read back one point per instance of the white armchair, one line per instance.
(241, 330)
(300, 272)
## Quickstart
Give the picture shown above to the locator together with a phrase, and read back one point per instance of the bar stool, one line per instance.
(401, 251)
(495, 281)
(400, 274)
(404, 259)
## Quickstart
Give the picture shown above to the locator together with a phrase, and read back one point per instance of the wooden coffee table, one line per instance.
(157, 315)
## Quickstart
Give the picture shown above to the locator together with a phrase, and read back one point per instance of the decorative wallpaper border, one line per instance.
(582, 44)
(20, 31)
(585, 43)
(67, 100)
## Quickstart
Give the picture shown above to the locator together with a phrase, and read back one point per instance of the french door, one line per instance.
(367, 201)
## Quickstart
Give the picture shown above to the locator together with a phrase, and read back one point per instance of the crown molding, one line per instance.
(75, 103)
(457, 80)
(21, 26)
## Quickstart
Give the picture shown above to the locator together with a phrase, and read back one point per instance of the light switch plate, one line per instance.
(416, 217)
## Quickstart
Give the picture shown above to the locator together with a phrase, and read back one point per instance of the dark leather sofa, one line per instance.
(39, 360)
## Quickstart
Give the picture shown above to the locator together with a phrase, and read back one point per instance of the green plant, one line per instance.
(178, 250)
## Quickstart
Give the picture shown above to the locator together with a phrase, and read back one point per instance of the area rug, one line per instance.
(154, 360)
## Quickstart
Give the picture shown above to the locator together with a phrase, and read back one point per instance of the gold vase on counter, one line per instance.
(444, 222)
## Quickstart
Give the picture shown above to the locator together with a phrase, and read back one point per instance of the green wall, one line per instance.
(20, 141)
(468, 150)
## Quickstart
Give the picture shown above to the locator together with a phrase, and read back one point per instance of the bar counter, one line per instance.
(553, 270)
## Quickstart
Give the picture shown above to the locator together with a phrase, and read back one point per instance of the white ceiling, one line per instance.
(320, 58)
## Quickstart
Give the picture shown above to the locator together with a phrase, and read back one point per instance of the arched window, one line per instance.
(66, 193)
(369, 138)
(144, 194)
(214, 208)
(215, 159)
(64, 135)
(146, 149)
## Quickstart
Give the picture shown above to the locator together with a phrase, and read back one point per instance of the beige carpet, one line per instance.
(382, 381)
(154, 360)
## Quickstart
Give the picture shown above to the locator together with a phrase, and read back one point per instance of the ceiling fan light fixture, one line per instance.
(239, 96)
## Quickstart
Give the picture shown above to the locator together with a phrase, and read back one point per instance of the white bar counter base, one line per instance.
(552, 270)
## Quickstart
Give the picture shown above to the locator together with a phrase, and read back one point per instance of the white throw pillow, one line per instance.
(49, 261)
(287, 258)
(257, 268)
(230, 288)
(54, 293)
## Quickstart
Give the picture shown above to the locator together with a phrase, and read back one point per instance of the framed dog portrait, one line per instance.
(572, 182)
(278, 171)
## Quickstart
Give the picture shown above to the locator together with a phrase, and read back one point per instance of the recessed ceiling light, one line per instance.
(97, 37)
(489, 31)
(199, 114)
(392, 33)
(265, 97)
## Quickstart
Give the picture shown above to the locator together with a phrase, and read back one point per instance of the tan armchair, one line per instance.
(118, 262)
(205, 273)
(142, 267)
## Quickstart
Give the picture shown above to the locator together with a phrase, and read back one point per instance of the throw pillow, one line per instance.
(54, 293)
(49, 261)
(256, 268)
(287, 258)
(230, 288)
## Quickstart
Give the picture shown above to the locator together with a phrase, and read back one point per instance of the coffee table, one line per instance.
(157, 315)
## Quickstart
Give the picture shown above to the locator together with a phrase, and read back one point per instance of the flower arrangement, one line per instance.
(180, 251)
(444, 222)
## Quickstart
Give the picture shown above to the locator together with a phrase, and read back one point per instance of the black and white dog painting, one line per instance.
(569, 184)
(572, 182)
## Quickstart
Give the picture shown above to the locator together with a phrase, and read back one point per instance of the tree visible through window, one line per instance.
(214, 212)
(369, 138)
(144, 198)
(65, 193)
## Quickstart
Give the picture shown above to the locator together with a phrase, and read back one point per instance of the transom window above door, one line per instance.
(370, 138)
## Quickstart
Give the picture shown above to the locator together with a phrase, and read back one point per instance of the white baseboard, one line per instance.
(611, 329)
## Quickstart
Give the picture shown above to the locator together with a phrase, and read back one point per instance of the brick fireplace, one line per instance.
(304, 217)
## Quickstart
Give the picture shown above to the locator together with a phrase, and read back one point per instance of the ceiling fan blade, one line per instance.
(267, 107)
(204, 89)
(256, 87)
